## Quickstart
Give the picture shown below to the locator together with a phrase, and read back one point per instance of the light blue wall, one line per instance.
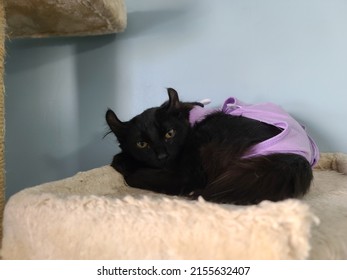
(293, 53)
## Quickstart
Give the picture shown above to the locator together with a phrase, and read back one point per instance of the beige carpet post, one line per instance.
(2, 117)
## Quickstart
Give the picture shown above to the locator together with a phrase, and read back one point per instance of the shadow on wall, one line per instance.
(97, 152)
(142, 23)
(58, 90)
(96, 73)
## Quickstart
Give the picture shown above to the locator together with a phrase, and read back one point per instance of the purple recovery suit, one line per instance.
(292, 139)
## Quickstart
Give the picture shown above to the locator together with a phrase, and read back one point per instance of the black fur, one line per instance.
(206, 159)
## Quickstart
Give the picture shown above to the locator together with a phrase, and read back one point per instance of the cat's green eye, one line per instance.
(171, 133)
(142, 144)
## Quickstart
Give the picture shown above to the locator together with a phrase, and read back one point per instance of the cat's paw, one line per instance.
(195, 194)
(121, 164)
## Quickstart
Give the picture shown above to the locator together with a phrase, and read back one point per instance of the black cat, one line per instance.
(163, 152)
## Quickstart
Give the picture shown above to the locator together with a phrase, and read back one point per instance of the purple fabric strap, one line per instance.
(293, 138)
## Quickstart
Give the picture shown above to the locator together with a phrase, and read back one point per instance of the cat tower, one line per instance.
(95, 215)
(45, 18)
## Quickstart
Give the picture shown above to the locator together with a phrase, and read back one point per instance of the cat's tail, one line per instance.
(249, 181)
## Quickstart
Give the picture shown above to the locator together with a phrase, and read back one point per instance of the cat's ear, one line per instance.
(114, 123)
(174, 102)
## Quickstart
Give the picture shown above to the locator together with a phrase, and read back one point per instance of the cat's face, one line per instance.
(156, 136)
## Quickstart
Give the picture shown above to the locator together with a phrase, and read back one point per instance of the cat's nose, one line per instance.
(162, 156)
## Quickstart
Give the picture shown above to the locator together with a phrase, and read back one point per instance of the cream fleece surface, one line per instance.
(44, 18)
(94, 215)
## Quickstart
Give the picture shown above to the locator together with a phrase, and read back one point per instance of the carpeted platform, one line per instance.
(94, 215)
